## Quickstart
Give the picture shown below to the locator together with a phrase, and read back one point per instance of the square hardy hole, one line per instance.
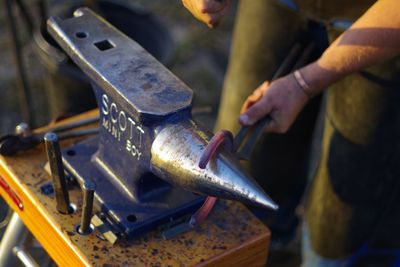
(104, 45)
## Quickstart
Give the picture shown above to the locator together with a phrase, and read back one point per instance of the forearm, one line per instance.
(374, 38)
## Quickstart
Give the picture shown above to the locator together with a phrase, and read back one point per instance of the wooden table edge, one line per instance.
(220, 259)
(39, 222)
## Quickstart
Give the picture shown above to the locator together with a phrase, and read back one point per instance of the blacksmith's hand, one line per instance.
(210, 12)
(282, 99)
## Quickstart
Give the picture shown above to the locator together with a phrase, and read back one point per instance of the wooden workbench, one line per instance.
(231, 236)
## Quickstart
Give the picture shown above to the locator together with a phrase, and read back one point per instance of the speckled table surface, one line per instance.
(231, 236)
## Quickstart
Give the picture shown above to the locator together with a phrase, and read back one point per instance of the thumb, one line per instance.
(255, 112)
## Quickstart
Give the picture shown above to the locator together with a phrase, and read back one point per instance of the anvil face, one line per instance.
(148, 147)
(134, 92)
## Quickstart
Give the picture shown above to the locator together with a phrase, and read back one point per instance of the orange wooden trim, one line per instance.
(40, 223)
(252, 253)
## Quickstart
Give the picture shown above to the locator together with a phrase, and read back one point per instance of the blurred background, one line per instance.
(41, 84)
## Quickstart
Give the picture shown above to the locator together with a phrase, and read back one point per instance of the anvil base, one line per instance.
(132, 218)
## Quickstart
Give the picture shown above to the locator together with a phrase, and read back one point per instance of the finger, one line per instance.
(188, 5)
(213, 20)
(212, 6)
(218, 16)
(251, 100)
(192, 8)
(273, 126)
(247, 105)
(254, 97)
(255, 112)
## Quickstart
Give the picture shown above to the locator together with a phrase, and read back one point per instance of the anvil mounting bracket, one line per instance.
(136, 95)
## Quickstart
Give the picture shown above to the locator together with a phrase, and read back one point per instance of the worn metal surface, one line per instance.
(146, 133)
(87, 208)
(119, 65)
(231, 234)
(57, 172)
(176, 154)
(151, 202)
(24, 257)
(15, 235)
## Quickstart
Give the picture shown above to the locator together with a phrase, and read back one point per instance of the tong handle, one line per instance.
(256, 131)
(71, 125)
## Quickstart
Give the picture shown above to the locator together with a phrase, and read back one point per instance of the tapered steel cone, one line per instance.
(175, 155)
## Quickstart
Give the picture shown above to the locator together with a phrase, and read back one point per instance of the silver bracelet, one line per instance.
(303, 84)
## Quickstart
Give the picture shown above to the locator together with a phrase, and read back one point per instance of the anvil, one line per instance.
(145, 158)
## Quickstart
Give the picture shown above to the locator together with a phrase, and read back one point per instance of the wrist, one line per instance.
(303, 85)
(316, 78)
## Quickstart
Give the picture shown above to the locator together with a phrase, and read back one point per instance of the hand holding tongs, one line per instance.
(251, 134)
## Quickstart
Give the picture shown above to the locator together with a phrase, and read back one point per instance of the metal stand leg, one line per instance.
(24, 257)
(13, 239)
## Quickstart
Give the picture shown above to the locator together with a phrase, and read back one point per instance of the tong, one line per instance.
(24, 139)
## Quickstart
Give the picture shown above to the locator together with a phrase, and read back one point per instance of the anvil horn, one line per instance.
(175, 155)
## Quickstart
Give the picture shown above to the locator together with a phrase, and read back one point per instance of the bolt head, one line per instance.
(51, 137)
(89, 186)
